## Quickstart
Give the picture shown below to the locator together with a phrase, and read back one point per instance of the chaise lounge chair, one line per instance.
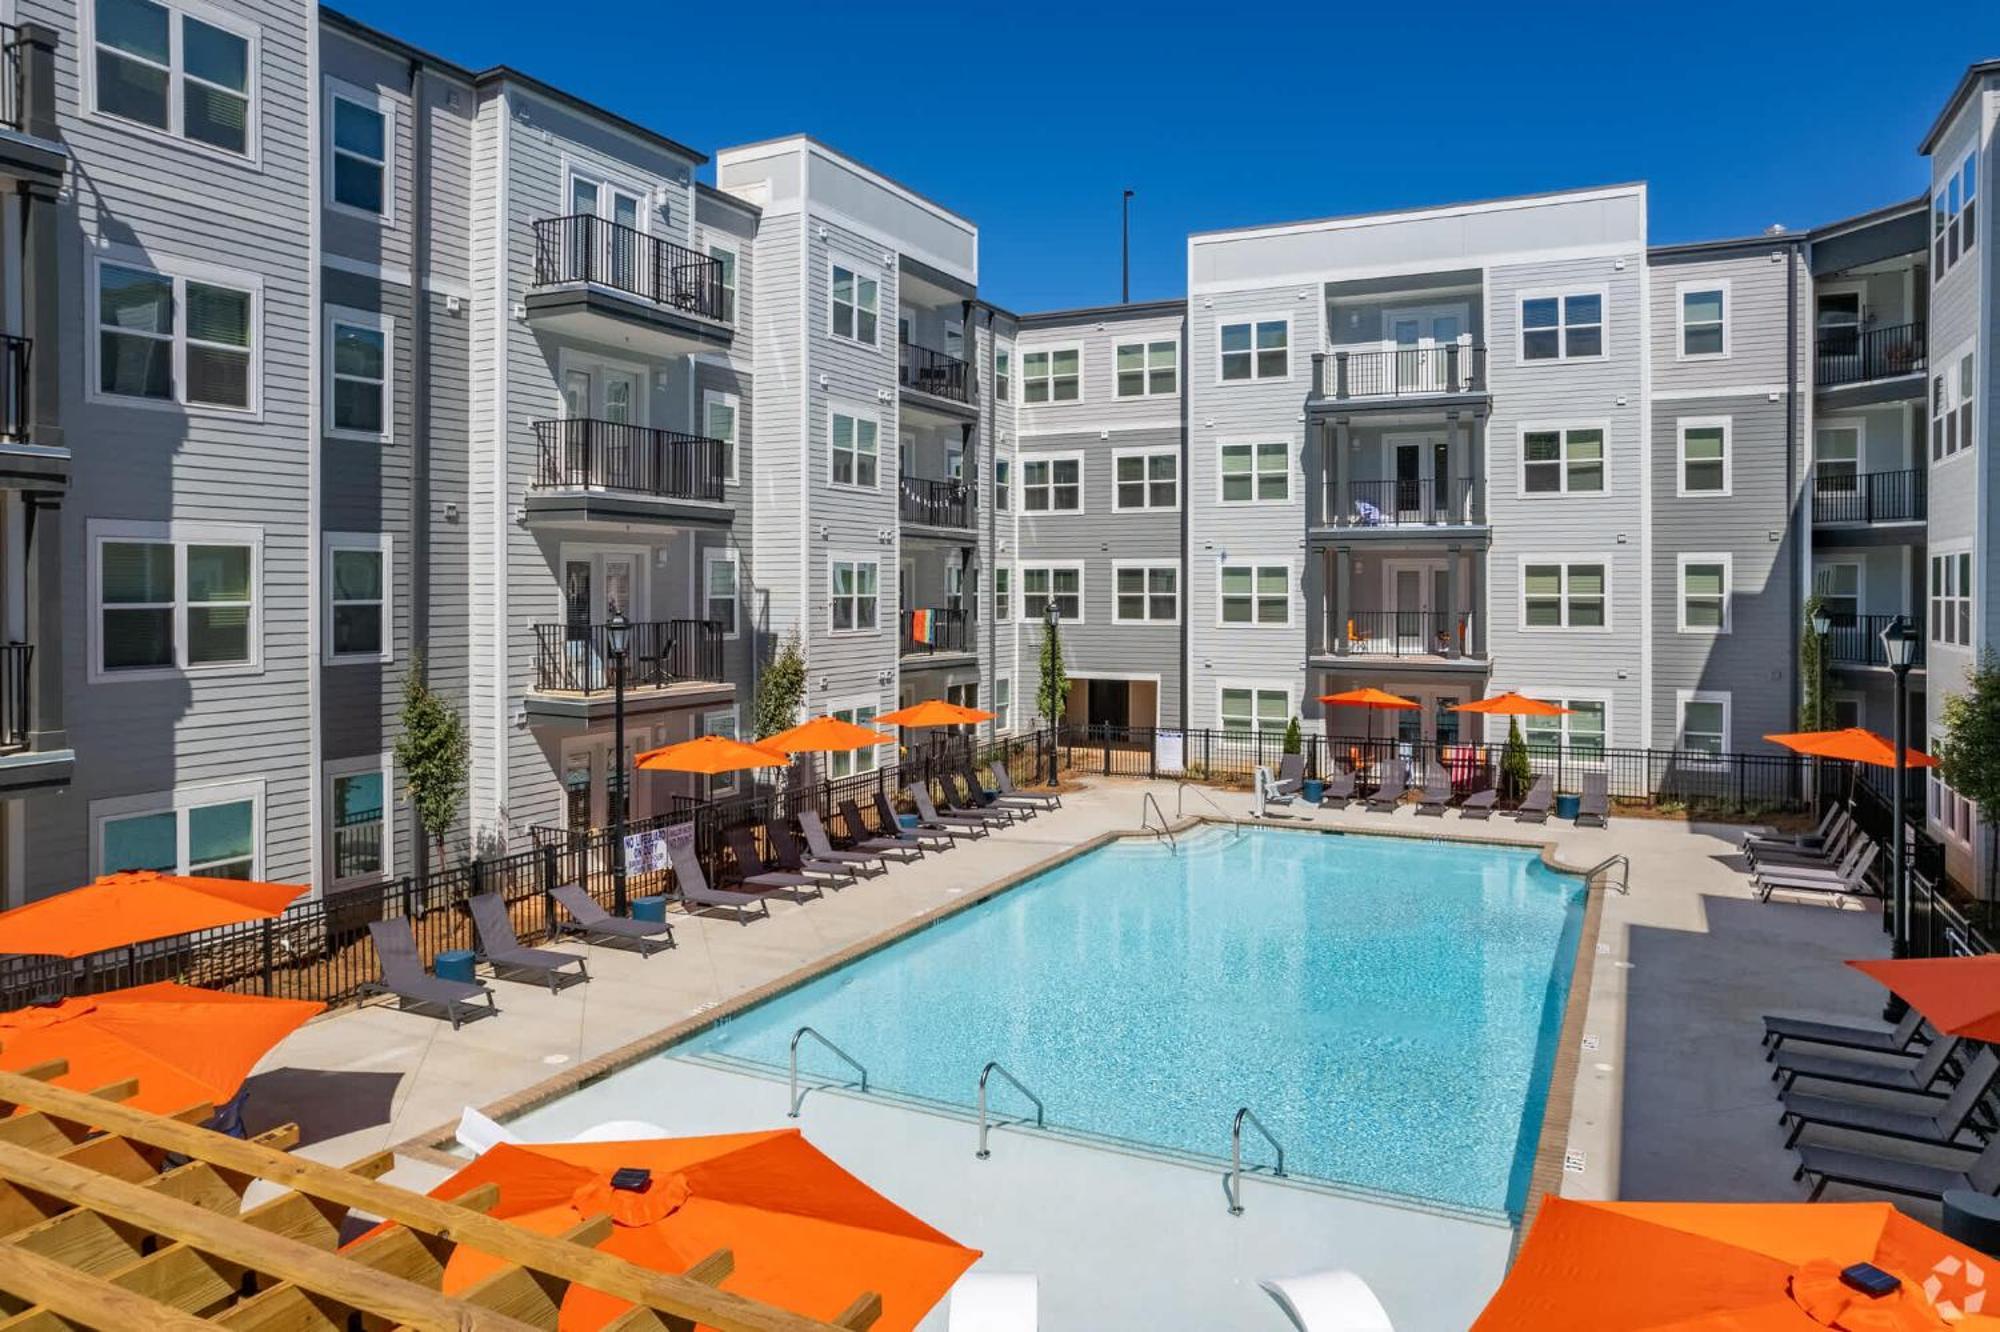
(1018, 806)
(1844, 838)
(597, 925)
(972, 803)
(1936, 1062)
(1934, 1123)
(1778, 1029)
(1339, 792)
(1479, 805)
(1388, 793)
(1888, 1174)
(934, 838)
(1003, 782)
(1593, 806)
(403, 975)
(1835, 817)
(1535, 806)
(842, 867)
(822, 846)
(1436, 795)
(1291, 778)
(756, 874)
(1847, 881)
(499, 946)
(692, 884)
(930, 820)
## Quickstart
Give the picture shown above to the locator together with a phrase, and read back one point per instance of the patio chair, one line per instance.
(692, 884)
(1018, 806)
(1847, 881)
(1939, 1061)
(499, 946)
(1479, 805)
(1388, 792)
(1535, 806)
(756, 874)
(1831, 854)
(1889, 1174)
(960, 800)
(403, 975)
(935, 837)
(1778, 1029)
(821, 845)
(597, 925)
(891, 840)
(1934, 1123)
(1435, 798)
(1815, 840)
(1291, 777)
(1003, 782)
(788, 856)
(1340, 789)
(1332, 1301)
(1594, 804)
(930, 820)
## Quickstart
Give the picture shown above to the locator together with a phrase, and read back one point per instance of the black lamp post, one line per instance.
(1822, 625)
(1050, 615)
(1899, 645)
(617, 637)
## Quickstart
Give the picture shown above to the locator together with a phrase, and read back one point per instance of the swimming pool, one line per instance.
(1387, 1006)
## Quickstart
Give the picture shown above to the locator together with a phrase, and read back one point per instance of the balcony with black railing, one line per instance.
(1856, 640)
(927, 632)
(932, 502)
(1843, 497)
(596, 251)
(16, 357)
(16, 659)
(937, 373)
(1428, 635)
(1443, 370)
(1854, 355)
(584, 454)
(1406, 503)
(575, 658)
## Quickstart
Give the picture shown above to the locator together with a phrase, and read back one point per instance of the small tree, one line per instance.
(1052, 688)
(1969, 749)
(1515, 774)
(1294, 741)
(434, 756)
(1815, 704)
(781, 688)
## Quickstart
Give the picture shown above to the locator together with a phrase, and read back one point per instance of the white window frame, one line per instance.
(1003, 708)
(1003, 483)
(714, 555)
(374, 321)
(178, 801)
(1682, 290)
(1683, 424)
(1003, 372)
(1146, 389)
(1561, 296)
(1942, 608)
(1257, 566)
(1681, 563)
(1819, 581)
(181, 536)
(1148, 568)
(1021, 572)
(251, 156)
(1567, 562)
(1954, 409)
(1146, 485)
(853, 704)
(379, 543)
(1253, 320)
(856, 415)
(1946, 221)
(857, 559)
(1563, 698)
(1049, 350)
(1257, 687)
(1253, 444)
(1029, 459)
(730, 278)
(180, 272)
(860, 272)
(721, 397)
(330, 772)
(368, 99)
(719, 784)
(1562, 430)
(1683, 697)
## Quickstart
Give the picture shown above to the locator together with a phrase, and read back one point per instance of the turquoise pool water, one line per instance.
(1387, 1006)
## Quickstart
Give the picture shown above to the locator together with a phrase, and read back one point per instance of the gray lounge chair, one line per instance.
(756, 874)
(1339, 790)
(1834, 818)
(597, 925)
(787, 855)
(937, 837)
(1019, 807)
(403, 975)
(692, 885)
(1003, 782)
(891, 839)
(1535, 806)
(1479, 805)
(880, 849)
(1826, 856)
(1778, 1029)
(505, 952)
(1921, 1076)
(963, 802)
(1850, 880)
(930, 820)
(1887, 1174)
(821, 848)
(1388, 792)
(1436, 795)
(1938, 1124)
(1594, 804)
(1291, 777)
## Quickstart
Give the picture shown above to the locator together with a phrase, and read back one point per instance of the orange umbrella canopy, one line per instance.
(1960, 996)
(806, 1235)
(709, 754)
(184, 1045)
(1745, 1267)
(1369, 698)
(825, 735)
(134, 907)
(1511, 704)
(933, 712)
(1853, 744)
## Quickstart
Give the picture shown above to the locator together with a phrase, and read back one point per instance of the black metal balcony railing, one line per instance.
(584, 248)
(948, 629)
(1395, 633)
(1401, 372)
(15, 661)
(1856, 640)
(16, 354)
(1855, 355)
(1416, 502)
(1870, 497)
(12, 52)
(611, 455)
(576, 658)
(936, 503)
(935, 372)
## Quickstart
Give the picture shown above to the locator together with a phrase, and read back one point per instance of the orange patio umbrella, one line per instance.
(1511, 704)
(1960, 996)
(709, 755)
(806, 1235)
(825, 735)
(1744, 1267)
(1854, 744)
(184, 1045)
(1375, 700)
(118, 910)
(934, 712)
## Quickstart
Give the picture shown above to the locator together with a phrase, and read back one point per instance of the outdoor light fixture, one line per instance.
(1899, 646)
(1899, 643)
(617, 633)
(1820, 623)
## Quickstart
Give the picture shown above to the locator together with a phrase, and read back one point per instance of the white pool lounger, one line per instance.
(994, 1302)
(1328, 1302)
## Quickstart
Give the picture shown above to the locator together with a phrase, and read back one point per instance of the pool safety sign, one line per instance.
(1170, 752)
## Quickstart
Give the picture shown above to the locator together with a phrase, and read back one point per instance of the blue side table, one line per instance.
(907, 820)
(653, 909)
(1313, 790)
(1567, 806)
(455, 964)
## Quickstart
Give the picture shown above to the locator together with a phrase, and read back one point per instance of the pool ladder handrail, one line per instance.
(1180, 799)
(1232, 1183)
(1621, 862)
(798, 1097)
(1146, 804)
(995, 1066)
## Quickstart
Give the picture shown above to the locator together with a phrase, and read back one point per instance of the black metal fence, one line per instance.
(16, 358)
(934, 502)
(576, 658)
(16, 662)
(1870, 497)
(613, 455)
(586, 248)
(1856, 640)
(1855, 355)
(12, 52)
(1401, 372)
(1409, 502)
(937, 373)
(1397, 633)
(945, 630)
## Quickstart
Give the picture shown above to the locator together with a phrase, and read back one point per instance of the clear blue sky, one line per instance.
(1030, 118)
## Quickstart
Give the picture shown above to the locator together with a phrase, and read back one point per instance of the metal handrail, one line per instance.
(1166, 829)
(1604, 866)
(1180, 799)
(798, 1097)
(1232, 1182)
(994, 1066)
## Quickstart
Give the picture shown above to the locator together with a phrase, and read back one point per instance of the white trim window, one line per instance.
(1702, 722)
(719, 414)
(1042, 582)
(854, 297)
(1003, 704)
(1705, 455)
(1003, 600)
(1253, 349)
(725, 258)
(360, 131)
(1951, 405)
(854, 585)
(1953, 217)
(1563, 325)
(360, 612)
(853, 450)
(1052, 483)
(168, 599)
(1704, 319)
(1579, 733)
(719, 602)
(1145, 479)
(1146, 593)
(1564, 460)
(1253, 596)
(185, 335)
(1950, 812)
(1147, 369)
(361, 820)
(1837, 584)
(1051, 374)
(724, 722)
(1559, 594)
(1951, 598)
(359, 395)
(1003, 371)
(1003, 498)
(1253, 709)
(211, 831)
(866, 759)
(1704, 593)
(1254, 473)
(161, 67)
